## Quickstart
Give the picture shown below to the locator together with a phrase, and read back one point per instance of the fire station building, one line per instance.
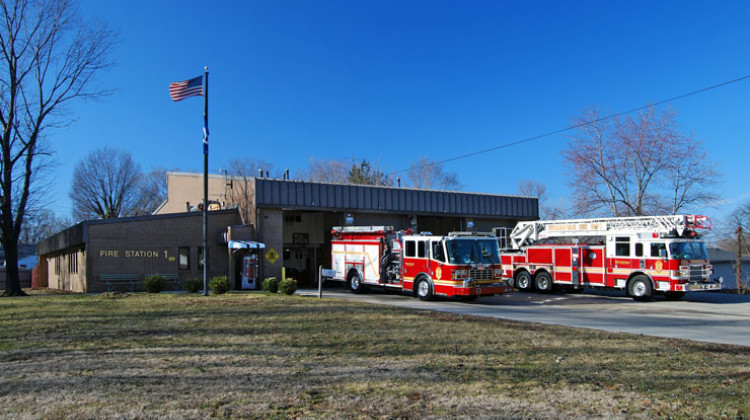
(279, 222)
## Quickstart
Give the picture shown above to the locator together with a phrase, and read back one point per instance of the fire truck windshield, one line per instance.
(473, 251)
(688, 251)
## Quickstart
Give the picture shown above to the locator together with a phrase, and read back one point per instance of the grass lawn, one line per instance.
(255, 355)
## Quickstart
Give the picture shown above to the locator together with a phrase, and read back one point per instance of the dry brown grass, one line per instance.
(270, 356)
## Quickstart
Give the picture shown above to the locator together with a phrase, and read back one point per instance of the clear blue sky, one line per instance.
(392, 80)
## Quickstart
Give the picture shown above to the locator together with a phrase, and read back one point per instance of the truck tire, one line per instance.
(355, 283)
(424, 289)
(543, 282)
(640, 288)
(523, 281)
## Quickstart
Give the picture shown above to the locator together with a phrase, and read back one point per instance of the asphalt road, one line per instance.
(708, 316)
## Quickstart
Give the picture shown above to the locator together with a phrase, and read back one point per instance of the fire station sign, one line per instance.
(272, 256)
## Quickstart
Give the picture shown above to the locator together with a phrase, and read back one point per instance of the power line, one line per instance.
(607, 117)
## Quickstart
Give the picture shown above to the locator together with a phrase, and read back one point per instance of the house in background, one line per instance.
(724, 263)
(27, 259)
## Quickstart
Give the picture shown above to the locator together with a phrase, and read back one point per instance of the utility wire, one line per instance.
(585, 123)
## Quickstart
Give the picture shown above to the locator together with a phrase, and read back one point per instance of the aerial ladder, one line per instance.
(680, 225)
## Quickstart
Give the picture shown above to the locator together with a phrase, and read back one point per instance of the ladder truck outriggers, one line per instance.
(642, 255)
(458, 264)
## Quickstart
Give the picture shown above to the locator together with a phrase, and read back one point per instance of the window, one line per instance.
(422, 249)
(622, 246)
(656, 249)
(57, 264)
(73, 263)
(688, 251)
(639, 250)
(183, 258)
(437, 251)
(411, 249)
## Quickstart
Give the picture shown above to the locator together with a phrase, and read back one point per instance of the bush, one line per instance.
(193, 285)
(154, 284)
(219, 285)
(288, 286)
(270, 284)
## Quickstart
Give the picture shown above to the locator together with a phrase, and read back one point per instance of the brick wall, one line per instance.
(271, 230)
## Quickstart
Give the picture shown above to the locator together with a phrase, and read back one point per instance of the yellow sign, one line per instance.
(659, 266)
(272, 256)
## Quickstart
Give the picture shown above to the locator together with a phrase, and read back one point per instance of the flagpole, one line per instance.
(205, 186)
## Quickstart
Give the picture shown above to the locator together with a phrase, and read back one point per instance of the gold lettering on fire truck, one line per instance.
(622, 262)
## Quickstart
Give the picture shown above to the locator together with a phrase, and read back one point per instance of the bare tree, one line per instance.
(427, 174)
(152, 191)
(736, 238)
(536, 189)
(333, 171)
(532, 189)
(41, 224)
(637, 166)
(50, 58)
(239, 187)
(106, 184)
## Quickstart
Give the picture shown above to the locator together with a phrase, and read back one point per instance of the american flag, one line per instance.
(187, 88)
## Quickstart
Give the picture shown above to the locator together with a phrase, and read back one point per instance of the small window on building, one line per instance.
(410, 249)
(183, 253)
(622, 246)
(638, 250)
(657, 248)
(422, 249)
(437, 251)
(58, 263)
(73, 263)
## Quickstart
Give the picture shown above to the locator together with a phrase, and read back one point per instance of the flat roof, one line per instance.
(290, 194)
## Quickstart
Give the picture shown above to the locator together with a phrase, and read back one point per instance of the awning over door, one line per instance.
(245, 245)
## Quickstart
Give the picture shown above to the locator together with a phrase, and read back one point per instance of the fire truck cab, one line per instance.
(459, 264)
(641, 255)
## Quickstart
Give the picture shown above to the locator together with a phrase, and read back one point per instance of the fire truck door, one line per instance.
(591, 265)
(415, 258)
(575, 276)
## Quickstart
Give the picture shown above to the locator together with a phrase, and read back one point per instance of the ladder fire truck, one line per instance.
(641, 255)
(459, 264)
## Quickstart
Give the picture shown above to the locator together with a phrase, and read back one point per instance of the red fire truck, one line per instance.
(458, 264)
(641, 255)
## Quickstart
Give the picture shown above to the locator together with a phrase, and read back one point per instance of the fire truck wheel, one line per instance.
(640, 288)
(523, 281)
(543, 282)
(355, 283)
(674, 295)
(424, 289)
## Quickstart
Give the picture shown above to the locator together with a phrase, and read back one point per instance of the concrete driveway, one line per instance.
(710, 317)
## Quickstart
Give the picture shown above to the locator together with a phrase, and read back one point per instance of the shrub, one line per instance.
(154, 284)
(270, 284)
(288, 286)
(219, 285)
(193, 285)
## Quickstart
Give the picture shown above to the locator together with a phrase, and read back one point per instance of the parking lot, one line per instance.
(708, 316)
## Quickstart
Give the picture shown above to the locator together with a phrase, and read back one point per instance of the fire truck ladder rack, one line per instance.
(526, 233)
(362, 229)
(457, 234)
